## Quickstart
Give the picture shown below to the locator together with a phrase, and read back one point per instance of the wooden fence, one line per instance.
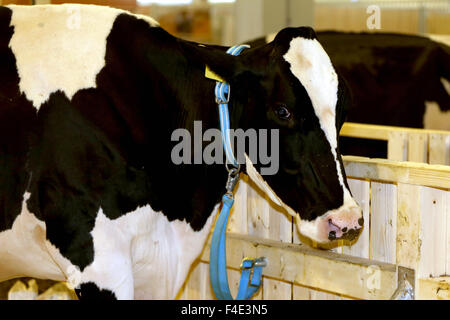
(405, 144)
(406, 209)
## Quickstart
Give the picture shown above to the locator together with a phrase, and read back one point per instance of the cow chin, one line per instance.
(343, 223)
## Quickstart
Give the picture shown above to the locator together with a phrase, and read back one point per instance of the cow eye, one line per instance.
(283, 112)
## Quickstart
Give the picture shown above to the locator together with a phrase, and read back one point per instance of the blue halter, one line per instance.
(250, 282)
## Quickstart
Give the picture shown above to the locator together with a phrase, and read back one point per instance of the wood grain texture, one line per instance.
(434, 204)
(439, 149)
(437, 176)
(360, 190)
(383, 222)
(418, 147)
(408, 225)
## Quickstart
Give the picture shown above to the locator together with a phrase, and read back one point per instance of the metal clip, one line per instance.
(227, 97)
(248, 263)
(405, 287)
(233, 177)
(260, 262)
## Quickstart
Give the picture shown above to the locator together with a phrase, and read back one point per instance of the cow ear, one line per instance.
(223, 65)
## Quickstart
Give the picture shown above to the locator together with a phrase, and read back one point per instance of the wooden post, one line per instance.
(383, 222)
(360, 190)
(439, 148)
(418, 147)
(398, 146)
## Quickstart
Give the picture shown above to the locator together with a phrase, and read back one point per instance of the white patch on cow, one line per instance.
(142, 255)
(312, 67)
(60, 47)
(25, 251)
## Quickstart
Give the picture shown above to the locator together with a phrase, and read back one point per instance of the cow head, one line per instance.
(291, 85)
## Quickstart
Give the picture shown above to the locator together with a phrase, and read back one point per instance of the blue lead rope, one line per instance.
(249, 283)
(251, 269)
(222, 92)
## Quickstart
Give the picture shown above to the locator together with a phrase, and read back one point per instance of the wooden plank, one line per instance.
(383, 222)
(257, 212)
(303, 293)
(360, 190)
(364, 131)
(322, 295)
(397, 146)
(276, 290)
(267, 221)
(434, 289)
(206, 291)
(417, 147)
(439, 148)
(195, 285)
(408, 225)
(300, 293)
(434, 208)
(280, 224)
(237, 222)
(403, 172)
(380, 132)
(298, 264)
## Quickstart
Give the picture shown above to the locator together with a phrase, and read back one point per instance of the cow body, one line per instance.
(89, 98)
(108, 197)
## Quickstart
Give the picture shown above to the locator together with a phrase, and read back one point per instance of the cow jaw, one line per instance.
(342, 223)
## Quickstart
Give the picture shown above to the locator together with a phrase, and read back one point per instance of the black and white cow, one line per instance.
(394, 79)
(89, 98)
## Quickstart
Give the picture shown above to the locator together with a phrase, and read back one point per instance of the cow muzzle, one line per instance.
(343, 223)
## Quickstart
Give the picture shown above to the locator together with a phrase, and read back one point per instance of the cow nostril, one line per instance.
(361, 221)
(344, 230)
(332, 235)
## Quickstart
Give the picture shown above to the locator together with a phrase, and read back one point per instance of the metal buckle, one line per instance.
(233, 177)
(258, 262)
(405, 286)
(220, 101)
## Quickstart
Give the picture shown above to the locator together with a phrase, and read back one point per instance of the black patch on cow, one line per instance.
(90, 291)
(17, 117)
(109, 148)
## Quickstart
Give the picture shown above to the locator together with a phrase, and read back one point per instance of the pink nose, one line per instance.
(345, 224)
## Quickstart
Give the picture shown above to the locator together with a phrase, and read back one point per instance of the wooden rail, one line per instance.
(302, 265)
(405, 144)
